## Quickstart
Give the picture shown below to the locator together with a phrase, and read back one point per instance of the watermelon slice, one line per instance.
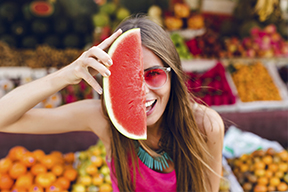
(123, 90)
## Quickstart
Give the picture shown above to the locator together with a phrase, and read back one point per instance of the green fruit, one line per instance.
(105, 170)
(100, 20)
(122, 13)
(108, 8)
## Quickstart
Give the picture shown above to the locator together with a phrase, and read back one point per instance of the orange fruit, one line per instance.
(105, 187)
(38, 154)
(283, 155)
(267, 159)
(54, 188)
(68, 166)
(273, 167)
(38, 168)
(18, 189)
(97, 179)
(91, 169)
(57, 154)
(263, 181)
(35, 188)
(57, 170)
(17, 170)
(28, 159)
(51, 176)
(16, 153)
(271, 188)
(259, 165)
(70, 174)
(283, 166)
(49, 161)
(43, 179)
(282, 186)
(24, 181)
(268, 173)
(257, 188)
(5, 165)
(97, 161)
(6, 182)
(69, 157)
(274, 181)
(63, 182)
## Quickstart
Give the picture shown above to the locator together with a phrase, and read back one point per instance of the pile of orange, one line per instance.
(35, 171)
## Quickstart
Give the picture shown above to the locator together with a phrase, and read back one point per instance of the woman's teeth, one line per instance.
(149, 105)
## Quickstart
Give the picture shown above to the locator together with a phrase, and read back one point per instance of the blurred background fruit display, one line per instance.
(35, 171)
(262, 171)
(211, 86)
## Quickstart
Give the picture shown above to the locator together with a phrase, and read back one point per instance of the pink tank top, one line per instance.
(151, 181)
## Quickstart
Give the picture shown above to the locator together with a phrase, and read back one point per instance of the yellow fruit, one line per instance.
(84, 180)
(97, 179)
(91, 169)
(97, 161)
(274, 181)
(105, 187)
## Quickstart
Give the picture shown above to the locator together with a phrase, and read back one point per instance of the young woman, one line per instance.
(184, 139)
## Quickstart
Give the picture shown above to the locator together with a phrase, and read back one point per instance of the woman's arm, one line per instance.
(210, 122)
(17, 114)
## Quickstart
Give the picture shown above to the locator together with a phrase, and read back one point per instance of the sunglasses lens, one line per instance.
(155, 78)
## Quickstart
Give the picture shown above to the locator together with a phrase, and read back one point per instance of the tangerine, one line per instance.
(38, 168)
(18, 189)
(6, 182)
(38, 154)
(49, 161)
(273, 167)
(69, 157)
(51, 176)
(24, 181)
(43, 179)
(54, 188)
(97, 179)
(70, 174)
(263, 181)
(267, 159)
(63, 182)
(36, 188)
(91, 169)
(282, 186)
(274, 181)
(57, 170)
(57, 154)
(97, 161)
(16, 153)
(5, 165)
(17, 170)
(258, 188)
(28, 159)
(283, 155)
(105, 187)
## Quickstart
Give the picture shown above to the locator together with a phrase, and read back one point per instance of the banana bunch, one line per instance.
(264, 8)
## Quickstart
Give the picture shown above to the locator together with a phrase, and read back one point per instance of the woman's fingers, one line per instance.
(107, 42)
(85, 72)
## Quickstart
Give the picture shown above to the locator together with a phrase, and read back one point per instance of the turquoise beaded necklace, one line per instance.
(157, 163)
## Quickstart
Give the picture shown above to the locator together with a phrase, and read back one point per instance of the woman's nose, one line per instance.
(145, 87)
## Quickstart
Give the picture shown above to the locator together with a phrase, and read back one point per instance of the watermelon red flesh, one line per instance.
(124, 92)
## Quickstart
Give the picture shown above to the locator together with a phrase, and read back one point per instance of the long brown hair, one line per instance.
(181, 137)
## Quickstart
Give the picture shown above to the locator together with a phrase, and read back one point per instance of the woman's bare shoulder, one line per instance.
(209, 122)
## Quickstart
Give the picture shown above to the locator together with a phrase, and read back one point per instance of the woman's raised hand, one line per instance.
(90, 63)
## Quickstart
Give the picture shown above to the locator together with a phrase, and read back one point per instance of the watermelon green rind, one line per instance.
(140, 115)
